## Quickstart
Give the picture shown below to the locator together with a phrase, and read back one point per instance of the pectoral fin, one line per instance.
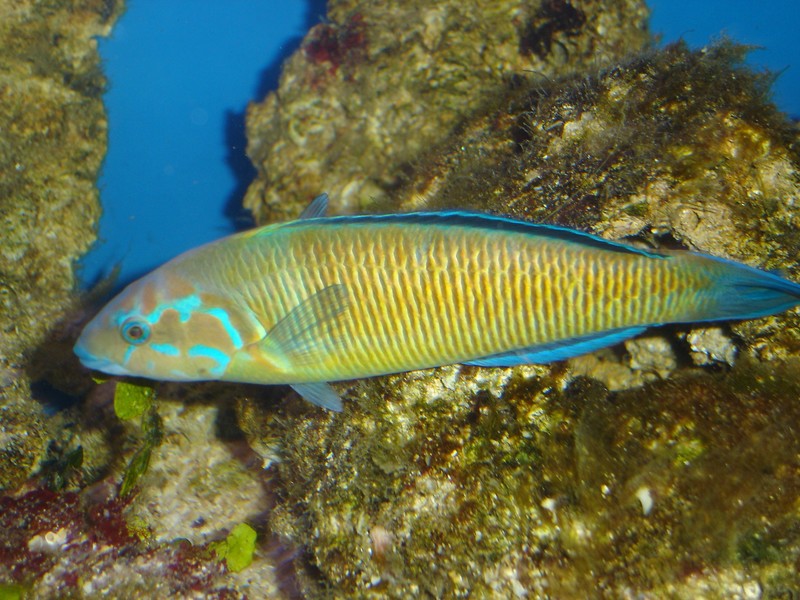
(305, 335)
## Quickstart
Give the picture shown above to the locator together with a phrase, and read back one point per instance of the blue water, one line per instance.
(181, 75)
(772, 25)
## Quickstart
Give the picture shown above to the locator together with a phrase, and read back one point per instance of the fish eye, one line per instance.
(135, 331)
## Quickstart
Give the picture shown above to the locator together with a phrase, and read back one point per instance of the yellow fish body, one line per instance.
(326, 299)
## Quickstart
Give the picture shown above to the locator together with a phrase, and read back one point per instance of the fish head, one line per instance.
(163, 327)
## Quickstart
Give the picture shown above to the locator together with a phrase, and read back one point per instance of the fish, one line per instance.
(323, 299)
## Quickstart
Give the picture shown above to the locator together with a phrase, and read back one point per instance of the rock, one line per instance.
(53, 140)
(379, 83)
(503, 481)
(711, 345)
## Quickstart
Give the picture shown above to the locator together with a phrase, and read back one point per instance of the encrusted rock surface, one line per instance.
(539, 481)
(52, 141)
(513, 482)
(65, 531)
(197, 484)
(650, 469)
(379, 82)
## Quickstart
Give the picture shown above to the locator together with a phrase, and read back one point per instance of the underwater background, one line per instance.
(180, 80)
(667, 466)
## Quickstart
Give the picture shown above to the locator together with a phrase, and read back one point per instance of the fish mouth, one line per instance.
(94, 363)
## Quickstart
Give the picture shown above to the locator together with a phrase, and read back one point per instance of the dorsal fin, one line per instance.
(316, 209)
(457, 218)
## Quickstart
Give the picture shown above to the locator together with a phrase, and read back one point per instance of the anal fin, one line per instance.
(560, 350)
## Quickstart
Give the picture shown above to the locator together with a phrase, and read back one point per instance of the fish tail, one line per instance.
(743, 292)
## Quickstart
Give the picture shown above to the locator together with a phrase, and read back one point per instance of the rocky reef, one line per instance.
(53, 140)
(66, 530)
(377, 84)
(667, 467)
(515, 483)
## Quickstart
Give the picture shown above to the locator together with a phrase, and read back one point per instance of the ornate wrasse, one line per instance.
(325, 299)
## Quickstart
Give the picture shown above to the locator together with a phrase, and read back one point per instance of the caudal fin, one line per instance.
(742, 292)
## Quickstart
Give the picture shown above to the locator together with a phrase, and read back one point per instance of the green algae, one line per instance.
(137, 466)
(134, 401)
(11, 592)
(131, 401)
(237, 549)
(152, 432)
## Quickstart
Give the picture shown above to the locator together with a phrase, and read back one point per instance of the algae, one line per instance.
(237, 549)
(131, 400)
(137, 466)
(11, 592)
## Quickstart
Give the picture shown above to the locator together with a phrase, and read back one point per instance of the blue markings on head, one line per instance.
(183, 306)
(221, 315)
(166, 349)
(128, 352)
(219, 357)
(169, 357)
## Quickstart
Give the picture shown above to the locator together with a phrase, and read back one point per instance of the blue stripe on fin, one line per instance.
(320, 394)
(479, 221)
(561, 350)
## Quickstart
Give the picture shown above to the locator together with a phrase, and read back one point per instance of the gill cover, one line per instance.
(162, 328)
